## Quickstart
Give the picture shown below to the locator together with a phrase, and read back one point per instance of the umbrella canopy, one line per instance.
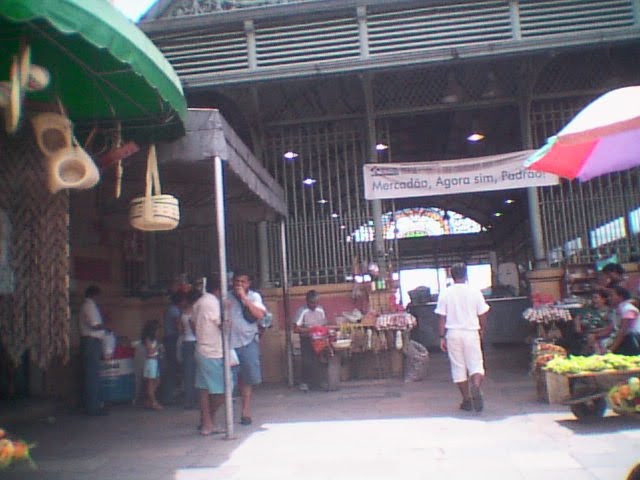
(603, 138)
(102, 66)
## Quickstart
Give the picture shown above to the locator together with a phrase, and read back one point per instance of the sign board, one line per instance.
(481, 174)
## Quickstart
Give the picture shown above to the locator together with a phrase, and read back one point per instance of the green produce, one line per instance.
(594, 363)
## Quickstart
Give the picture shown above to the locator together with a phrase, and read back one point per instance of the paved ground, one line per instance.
(366, 430)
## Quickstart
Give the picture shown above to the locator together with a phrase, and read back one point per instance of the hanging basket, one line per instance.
(157, 212)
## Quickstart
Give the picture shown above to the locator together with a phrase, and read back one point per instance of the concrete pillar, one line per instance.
(263, 255)
(547, 282)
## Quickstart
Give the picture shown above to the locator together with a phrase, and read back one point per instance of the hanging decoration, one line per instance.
(23, 76)
(154, 211)
(68, 165)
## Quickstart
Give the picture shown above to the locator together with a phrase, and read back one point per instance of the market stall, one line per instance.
(67, 68)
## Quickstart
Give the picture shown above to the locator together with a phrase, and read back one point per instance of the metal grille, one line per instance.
(592, 71)
(204, 52)
(308, 99)
(422, 89)
(436, 27)
(307, 42)
(323, 214)
(388, 35)
(543, 18)
(194, 252)
(572, 211)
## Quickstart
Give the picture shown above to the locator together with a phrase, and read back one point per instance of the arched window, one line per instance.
(419, 222)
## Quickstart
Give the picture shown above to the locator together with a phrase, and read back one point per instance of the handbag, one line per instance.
(154, 211)
(234, 361)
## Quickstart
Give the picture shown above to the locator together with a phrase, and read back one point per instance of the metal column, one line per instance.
(376, 205)
(222, 258)
(535, 216)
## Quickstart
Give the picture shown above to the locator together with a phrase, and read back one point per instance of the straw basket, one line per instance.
(71, 167)
(157, 212)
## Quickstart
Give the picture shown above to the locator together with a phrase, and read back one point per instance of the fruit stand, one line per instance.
(583, 383)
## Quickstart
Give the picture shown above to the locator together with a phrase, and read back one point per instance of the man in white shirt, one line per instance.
(91, 332)
(462, 312)
(310, 315)
(209, 376)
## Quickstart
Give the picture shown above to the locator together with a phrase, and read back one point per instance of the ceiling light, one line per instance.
(309, 181)
(509, 201)
(334, 215)
(343, 227)
(498, 214)
(475, 137)
(290, 155)
(322, 201)
(381, 146)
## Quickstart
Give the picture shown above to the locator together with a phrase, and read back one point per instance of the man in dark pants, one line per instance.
(92, 330)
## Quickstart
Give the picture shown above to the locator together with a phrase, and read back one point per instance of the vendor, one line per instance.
(310, 315)
(627, 338)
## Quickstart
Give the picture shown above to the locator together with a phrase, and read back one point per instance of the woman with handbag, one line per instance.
(209, 377)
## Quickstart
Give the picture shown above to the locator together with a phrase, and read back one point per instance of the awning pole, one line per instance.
(285, 298)
(222, 260)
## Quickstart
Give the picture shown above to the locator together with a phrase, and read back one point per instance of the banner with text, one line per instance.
(481, 174)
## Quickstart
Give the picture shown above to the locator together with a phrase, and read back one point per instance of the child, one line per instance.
(151, 373)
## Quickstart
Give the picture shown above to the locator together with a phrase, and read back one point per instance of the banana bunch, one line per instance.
(593, 363)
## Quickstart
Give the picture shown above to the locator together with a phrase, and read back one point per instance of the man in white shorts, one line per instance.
(462, 312)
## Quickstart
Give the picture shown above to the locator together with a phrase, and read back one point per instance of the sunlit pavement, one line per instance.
(367, 430)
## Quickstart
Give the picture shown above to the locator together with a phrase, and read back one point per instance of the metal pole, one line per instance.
(535, 216)
(285, 304)
(372, 157)
(226, 326)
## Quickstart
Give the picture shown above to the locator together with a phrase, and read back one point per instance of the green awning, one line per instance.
(103, 67)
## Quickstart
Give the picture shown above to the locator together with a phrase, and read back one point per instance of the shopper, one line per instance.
(169, 362)
(91, 332)
(187, 347)
(462, 312)
(314, 372)
(627, 338)
(245, 310)
(151, 371)
(209, 376)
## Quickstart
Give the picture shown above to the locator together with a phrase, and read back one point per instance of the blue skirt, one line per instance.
(209, 374)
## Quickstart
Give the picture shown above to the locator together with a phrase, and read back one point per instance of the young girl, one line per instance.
(151, 373)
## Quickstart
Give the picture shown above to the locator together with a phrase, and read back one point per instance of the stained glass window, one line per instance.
(419, 222)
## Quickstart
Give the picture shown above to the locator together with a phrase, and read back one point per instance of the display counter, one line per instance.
(504, 323)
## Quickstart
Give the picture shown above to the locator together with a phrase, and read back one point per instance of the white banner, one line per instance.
(481, 174)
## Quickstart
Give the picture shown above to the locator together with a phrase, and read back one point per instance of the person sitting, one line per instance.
(594, 322)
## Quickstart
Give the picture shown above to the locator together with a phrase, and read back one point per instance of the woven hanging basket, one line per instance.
(157, 212)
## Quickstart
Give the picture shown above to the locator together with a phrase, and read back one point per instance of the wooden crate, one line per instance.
(557, 387)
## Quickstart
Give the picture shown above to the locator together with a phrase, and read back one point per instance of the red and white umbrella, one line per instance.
(602, 138)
